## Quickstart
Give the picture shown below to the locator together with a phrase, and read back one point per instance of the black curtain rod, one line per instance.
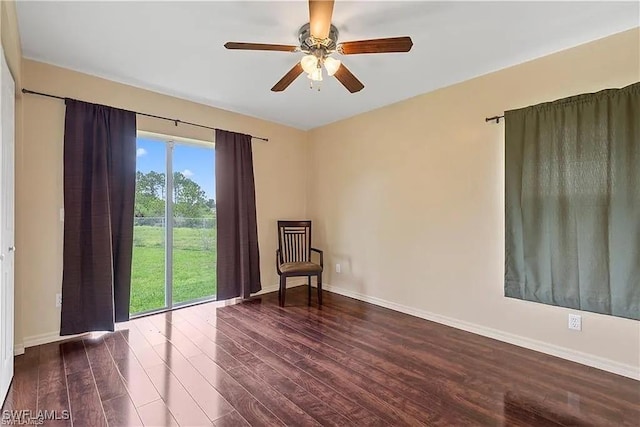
(496, 118)
(175, 121)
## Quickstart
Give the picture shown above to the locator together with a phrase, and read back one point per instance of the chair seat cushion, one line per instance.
(300, 267)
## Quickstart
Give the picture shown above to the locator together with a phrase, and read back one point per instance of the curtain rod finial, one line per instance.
(494, 118)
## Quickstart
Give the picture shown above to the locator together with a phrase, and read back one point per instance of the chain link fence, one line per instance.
(178, 222)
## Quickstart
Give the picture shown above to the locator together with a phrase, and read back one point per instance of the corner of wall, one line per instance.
(308, 175)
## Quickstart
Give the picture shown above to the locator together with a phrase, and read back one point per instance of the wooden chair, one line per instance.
(293, 256)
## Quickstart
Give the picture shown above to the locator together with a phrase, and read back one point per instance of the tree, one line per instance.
(151, 184)
(149, 200)
(189, 200)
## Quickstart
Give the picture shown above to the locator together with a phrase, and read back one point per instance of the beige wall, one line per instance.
(409, 199)
(39, 176)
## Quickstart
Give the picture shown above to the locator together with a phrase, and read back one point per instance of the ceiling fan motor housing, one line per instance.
(310, 44)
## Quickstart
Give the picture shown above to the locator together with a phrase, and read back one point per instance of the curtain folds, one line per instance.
(238, 267)
(99, 193)
(572, 202)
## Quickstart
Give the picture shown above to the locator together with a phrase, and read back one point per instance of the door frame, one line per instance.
(7, 227)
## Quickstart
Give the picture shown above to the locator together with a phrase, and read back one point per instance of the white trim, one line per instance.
(47, 338)
(292, 282)
(173, 138)
(608, 365)
(168, 225)
(18, 349)
(266, 290)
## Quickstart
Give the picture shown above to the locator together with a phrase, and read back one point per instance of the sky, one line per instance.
(196, 163)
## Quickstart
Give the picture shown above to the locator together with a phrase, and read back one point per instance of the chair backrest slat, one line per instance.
(294, 241)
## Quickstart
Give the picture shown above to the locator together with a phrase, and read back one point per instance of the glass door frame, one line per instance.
(168, 227)
(170, 142)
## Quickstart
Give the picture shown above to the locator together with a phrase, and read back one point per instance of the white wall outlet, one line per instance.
(338, 269)
(58, 300)
(61, 214)
(575, 322)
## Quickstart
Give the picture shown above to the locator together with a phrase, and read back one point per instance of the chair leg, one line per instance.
(320, 289)
(283, 290)
(309, 290)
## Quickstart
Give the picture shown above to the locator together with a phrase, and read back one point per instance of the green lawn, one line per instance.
(194, 266)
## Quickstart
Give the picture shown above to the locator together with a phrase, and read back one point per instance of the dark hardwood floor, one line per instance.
(349, 363)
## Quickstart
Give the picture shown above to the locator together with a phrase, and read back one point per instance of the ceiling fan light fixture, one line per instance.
(316, 75)
(309, 63)
(332, 65)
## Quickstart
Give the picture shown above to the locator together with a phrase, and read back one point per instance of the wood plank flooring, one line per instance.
(348, 363)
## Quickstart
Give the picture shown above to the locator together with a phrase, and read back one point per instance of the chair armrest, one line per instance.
(278, 262)
(321, 256)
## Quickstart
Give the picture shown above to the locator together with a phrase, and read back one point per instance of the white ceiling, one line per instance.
(177, 47)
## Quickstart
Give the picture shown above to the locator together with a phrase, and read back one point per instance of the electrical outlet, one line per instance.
(58, 300)
(575, 322)
(338, 269)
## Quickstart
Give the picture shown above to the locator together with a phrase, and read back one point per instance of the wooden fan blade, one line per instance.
(288, 78)
(348, 80)
(320, 12)
(261, 46)
(394, 44)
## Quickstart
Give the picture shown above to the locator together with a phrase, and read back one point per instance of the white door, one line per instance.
(7, 242)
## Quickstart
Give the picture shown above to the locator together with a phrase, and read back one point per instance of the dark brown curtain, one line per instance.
(238, 271)
(99, 193)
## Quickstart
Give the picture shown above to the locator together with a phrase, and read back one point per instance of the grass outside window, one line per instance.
(194, 266)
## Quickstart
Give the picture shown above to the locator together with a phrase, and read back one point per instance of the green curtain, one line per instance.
(572, 202)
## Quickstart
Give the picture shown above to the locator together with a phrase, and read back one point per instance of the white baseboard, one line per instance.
(39, 339)
(46, 338)
(291, 283)
(18, 349)
(608, 365)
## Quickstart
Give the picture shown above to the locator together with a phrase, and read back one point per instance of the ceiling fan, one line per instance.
(319, 40)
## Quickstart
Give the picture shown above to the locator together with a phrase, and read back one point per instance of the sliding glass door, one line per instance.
(174, 262)
(194, 223)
